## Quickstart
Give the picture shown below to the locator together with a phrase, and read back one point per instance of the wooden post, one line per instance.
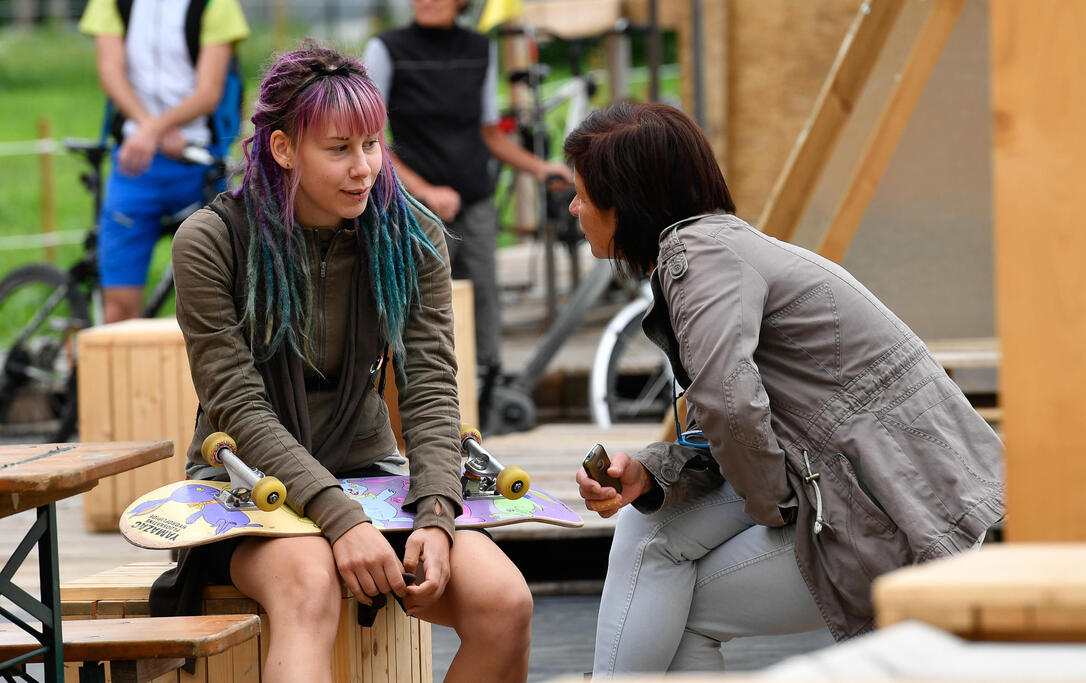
(883, 142)
(48, 203)
(1039, 103)
(859, 51)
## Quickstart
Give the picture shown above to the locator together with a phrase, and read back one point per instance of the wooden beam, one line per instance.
(858, 53)
(715, 42)
(883, 141)
(1039, 104)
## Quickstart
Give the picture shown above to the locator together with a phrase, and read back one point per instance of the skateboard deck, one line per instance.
(187, 513)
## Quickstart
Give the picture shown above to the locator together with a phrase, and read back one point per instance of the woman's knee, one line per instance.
(297, 581)
(493, 599)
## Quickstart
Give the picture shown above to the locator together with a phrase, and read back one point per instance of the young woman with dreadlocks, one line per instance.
(289, 291)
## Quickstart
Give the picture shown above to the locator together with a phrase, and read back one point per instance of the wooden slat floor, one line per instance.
(551, 454)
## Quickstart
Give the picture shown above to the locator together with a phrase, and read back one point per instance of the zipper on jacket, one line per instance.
(320, 292)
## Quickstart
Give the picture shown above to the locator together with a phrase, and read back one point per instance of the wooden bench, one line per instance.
(1009, 591)
(141, 649)
(395, 649)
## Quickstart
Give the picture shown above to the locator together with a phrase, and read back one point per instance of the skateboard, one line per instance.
(195, 512)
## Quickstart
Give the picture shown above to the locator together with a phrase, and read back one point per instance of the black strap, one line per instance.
(125, 8)
(193, 18)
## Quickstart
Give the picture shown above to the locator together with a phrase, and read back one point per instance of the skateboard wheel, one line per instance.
(467, 432)
(513, 482)
(269, 494)
(213, 443)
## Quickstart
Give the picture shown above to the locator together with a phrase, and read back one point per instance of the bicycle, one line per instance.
(630, 378)
(43, 308)
(616, 391)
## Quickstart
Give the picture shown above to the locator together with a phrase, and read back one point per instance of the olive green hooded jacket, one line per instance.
(234, 398)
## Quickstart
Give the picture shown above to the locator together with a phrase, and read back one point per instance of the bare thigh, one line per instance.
(283, 572)
(482, 577)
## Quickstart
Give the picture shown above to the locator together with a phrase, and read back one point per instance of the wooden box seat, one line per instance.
(139, 649)
(395, 649)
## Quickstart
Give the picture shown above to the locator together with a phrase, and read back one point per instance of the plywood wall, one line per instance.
(1039, 104)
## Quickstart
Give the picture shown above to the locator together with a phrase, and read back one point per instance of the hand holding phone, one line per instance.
(595, 466)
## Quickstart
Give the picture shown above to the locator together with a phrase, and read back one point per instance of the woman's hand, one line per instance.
(368, 564)
(604, 499)
(428, 547)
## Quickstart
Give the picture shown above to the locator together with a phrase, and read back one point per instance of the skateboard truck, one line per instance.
(249, 488)
(484, 476)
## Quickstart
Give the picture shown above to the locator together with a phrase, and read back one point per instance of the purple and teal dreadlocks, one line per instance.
(301, 90)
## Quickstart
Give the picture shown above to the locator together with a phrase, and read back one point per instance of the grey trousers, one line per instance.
(685, 579)
(473, 256)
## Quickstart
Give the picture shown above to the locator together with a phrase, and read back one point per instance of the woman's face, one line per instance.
(598, 226)
(436, 13)
(336, 170)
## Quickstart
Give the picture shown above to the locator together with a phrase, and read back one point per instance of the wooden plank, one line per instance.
(146, 405)
(246, 657)
(175, 371)
(464, 340)
(715, 71)
(858, 53)
(1039, 103)
(895, 117)
(118, 639)
(220, 667)
(403, 641)
(56, 469)
(426, 648)
(1016, 591)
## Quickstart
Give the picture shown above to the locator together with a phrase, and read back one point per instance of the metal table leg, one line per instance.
(42, 533)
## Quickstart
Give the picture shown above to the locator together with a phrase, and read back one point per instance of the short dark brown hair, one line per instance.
(654, 166)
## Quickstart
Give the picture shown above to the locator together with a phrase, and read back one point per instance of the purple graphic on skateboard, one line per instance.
(382, 498)
(203, 499)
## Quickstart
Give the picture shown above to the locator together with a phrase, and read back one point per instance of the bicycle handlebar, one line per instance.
(95, 151)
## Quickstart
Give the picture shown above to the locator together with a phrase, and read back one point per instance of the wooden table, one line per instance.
(36, 476)
(1011, 591)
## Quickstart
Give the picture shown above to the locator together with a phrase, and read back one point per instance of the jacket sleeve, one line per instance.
(429, 406)
(679, 472)
(228, 384)
(716, 302)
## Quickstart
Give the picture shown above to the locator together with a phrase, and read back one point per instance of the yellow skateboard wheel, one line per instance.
(213, 443)
(513, 482)
(269, 494)
(467, 432)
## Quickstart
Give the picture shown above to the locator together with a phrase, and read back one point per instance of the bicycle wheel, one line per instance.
(630, 377)
(40, 314)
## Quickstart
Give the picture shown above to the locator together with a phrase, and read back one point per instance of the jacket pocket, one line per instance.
(748, 406)
(860, 541)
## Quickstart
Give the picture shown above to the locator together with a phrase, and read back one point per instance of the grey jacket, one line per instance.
(821, 407)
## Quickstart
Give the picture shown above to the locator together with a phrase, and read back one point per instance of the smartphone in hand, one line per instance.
(595, 466)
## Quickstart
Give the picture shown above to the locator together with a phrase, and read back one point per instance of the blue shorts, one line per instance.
(131, 218)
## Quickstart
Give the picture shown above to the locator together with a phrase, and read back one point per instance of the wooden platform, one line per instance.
(551, 454)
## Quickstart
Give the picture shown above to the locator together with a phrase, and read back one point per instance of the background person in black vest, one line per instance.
(439, 82)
